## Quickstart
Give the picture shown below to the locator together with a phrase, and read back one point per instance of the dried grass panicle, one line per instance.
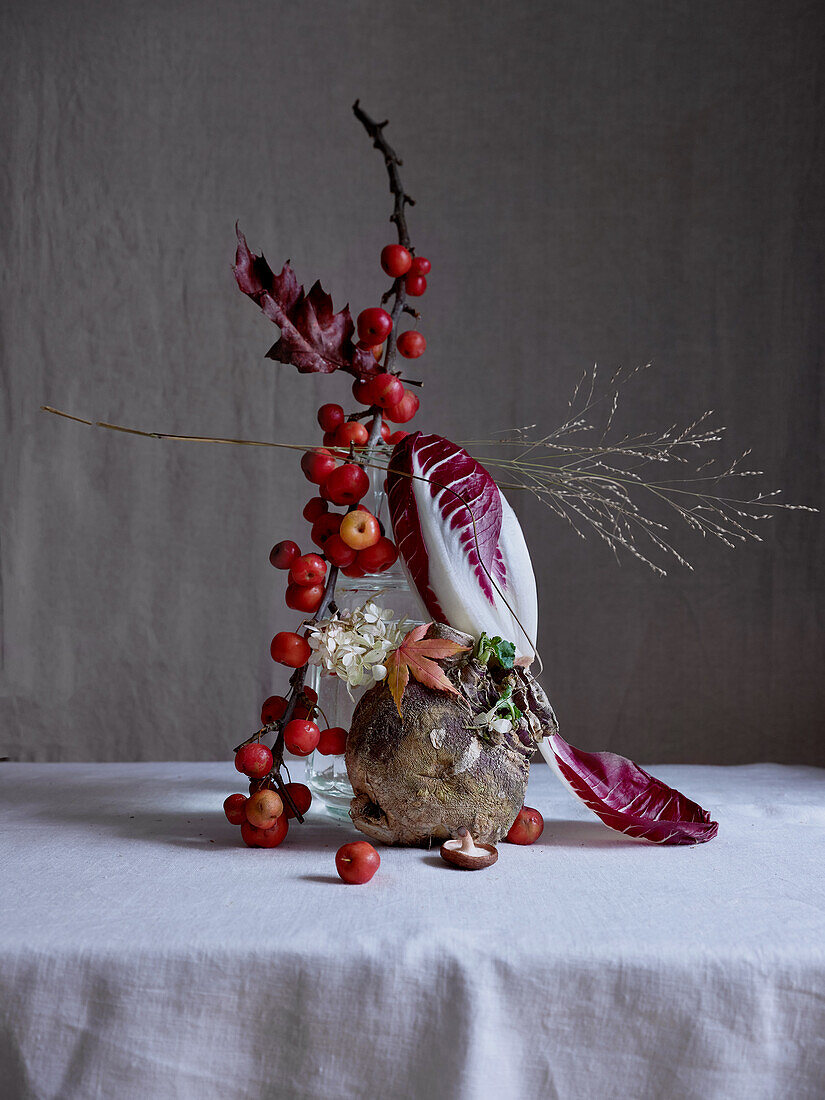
(608, 487)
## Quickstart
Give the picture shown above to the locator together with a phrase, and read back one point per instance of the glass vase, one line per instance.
(326, 776)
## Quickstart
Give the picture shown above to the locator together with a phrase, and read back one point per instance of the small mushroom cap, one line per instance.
(465, 854)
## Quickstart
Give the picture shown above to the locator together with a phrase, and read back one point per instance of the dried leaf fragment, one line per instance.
(418, 655)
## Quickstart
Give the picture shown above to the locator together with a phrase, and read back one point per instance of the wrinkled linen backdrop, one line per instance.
(615, 183)
(148, 955)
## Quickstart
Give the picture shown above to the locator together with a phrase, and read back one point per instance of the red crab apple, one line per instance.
(415, 284)
(265, 838)
(234, 808)
(359, 387)
(360, 529)
(384, 390)
(374, 326)
(301, 737)
(263, 808)
(289, 648)
(300, 795)
(274, 708)
(317, 465)
(330, 417)
(405, 410)
(324, 526)
(307, 570)
(283, 554)
(420, 266)
(357, 862)
(254, 760)
(305, 598)
(333, 742)
(410, 344)
(314, 508)
(338, 552)
(348, 484)
(378, 558)
(395, 260)
(527, 827)
(350, 433)
(396, 437)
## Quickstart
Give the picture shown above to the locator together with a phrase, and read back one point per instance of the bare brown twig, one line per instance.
(401, 200)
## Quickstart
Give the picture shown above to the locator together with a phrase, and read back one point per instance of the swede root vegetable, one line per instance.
(426, 777)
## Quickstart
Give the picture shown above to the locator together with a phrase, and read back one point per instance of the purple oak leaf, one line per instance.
(314, 338)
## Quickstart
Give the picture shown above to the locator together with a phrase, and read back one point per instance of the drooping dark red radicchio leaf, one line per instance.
(626, 797)
(314, 338)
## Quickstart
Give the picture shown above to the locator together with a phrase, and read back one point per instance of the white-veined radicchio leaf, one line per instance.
(314, 338)
(626, 797)
(461, 542)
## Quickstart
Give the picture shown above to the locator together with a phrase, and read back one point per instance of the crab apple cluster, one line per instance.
(374, 325)
(261, 814)
(352, 541)
(344, 534)
(347, 537)
(399, 405)
(399, 263)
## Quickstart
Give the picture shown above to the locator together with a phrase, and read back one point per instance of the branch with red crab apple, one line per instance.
(315, 339)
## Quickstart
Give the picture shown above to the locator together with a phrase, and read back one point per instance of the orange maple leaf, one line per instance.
(417, 655)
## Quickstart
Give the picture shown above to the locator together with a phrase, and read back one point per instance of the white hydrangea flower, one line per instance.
(490, 720)
(354, 644)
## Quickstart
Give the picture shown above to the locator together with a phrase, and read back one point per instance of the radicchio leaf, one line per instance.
(314, 338)
(461, 542)
(626, 797)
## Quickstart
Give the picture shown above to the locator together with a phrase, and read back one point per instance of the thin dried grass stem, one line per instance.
(605, 488)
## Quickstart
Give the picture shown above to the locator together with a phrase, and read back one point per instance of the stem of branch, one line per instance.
(400, 200)
(375, 427)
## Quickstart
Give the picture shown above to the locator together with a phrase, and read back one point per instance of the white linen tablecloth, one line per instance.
(144, 953)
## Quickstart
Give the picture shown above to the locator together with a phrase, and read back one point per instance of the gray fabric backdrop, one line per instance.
(612, 182)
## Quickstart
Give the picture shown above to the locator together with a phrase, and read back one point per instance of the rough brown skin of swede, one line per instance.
(419, 780)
